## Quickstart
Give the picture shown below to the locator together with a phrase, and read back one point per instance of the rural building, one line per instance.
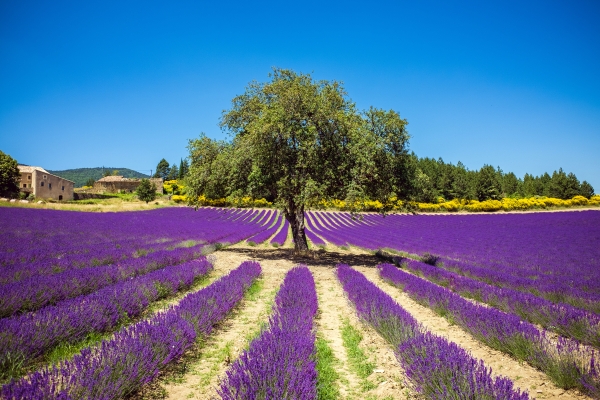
(116, 184)
(45, 185)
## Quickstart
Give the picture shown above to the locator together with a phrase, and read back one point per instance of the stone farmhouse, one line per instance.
(116, 184)
(45, 185)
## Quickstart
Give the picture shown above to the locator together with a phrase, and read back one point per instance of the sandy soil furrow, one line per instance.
(524, 376)
(387, 378)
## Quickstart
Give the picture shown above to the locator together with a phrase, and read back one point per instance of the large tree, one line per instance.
(296, 141)
(9, 176)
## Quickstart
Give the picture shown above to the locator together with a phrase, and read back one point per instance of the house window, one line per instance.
(41, 183)
(28, 177)
(63, 188)
(24, 185)
(49, 186)
(45, 177)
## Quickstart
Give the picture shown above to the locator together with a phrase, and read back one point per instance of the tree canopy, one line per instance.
(296, 141)
(9, 176)
(146, 191)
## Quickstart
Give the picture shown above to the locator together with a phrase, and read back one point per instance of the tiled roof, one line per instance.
(112, 178)
(28, 168)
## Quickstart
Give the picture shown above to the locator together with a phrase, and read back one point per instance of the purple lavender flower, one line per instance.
(134, 356)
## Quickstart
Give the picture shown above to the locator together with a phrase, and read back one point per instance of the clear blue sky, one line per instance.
(515, 84)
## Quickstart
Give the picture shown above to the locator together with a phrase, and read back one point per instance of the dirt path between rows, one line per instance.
(388, 378)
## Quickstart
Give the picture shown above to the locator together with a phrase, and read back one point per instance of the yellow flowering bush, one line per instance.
(179, 198)
(173, 187)
(506, 204)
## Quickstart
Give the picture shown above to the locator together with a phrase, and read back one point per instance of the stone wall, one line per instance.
(124, 185)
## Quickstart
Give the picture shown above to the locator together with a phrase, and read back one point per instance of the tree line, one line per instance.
(171, 172)
(435, 178)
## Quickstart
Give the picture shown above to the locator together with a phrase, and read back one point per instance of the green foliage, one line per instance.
(90, 182)
(173, 173)
(9, 176)
(162, 170)
(146, 191)
(82, 176)
(586, 189)
(435, 179)
(357, 358)
(183, 169)
(488, 185)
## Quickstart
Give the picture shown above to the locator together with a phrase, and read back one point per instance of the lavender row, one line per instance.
(282, 235)
(436, 368)
(76, 255)
(45, 242)
(280, 364)
(314, 229)
(134, 356)
(563, 319)
(273, 224)
(37, 292)
(29, 336)
(563, 292)
(566, 362)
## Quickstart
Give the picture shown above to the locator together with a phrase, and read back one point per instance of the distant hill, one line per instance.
(81, 175)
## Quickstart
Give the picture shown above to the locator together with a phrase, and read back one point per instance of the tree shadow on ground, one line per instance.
(320, 258)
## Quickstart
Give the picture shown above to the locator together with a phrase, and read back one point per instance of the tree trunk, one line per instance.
(295, 216)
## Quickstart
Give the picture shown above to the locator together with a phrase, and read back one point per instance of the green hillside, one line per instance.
(81, 175)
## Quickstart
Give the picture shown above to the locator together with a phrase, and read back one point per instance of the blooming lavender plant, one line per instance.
(134, 356)
(280, 363)
(39, 291)
(274, 224)
(436, 368)
(562, 318)
(282, 235)
(566, 362)
(30, 335)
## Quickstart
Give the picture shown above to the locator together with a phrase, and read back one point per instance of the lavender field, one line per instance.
(177, 303)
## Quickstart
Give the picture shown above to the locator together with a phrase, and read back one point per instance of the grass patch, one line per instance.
(357, 358)
(327, 376)
(66, 351)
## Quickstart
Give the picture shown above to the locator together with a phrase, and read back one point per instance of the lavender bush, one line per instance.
(436, 368)
(272, 226)
(28, 336)
(562, 318)
(280, 363)
(48, 256)
(135, 355)
(39, 291)
(566, 362)
(282, 235)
